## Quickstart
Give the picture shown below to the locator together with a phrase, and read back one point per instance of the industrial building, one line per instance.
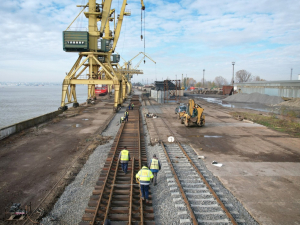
(282, 88)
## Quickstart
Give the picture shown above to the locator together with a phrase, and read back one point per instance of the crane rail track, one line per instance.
(202, 202)
(116, 196)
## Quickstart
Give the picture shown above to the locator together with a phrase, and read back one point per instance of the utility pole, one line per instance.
(233, 73)
(186, 83)
(203, 77)
(182, 81)
(291, 73)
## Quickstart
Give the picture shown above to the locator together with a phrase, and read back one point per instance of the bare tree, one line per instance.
(257, 78)
(191, 82)
(220, 81)
(243, 76)
(198, 84)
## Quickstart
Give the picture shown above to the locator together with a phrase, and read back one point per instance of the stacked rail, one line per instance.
(116, 196)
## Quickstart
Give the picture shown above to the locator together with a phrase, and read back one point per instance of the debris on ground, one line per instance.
(217, 164)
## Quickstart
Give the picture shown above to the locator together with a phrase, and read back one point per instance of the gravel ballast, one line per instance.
(70, 207)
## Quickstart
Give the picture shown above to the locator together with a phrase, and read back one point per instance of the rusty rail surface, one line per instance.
(116, 196)
(194, 220)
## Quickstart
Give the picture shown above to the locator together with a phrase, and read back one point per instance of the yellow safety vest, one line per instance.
(144, 174)
(154, 164)
(124, 155)
(126, 113)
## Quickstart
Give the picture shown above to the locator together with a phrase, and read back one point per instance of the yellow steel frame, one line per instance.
(96, 69)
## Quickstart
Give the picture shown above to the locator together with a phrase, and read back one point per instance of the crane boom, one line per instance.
(137, 65)
(119, 25)
(105, 15)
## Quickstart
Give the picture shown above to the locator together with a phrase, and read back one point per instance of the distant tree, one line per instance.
(242, 76)
(191, 82)
(257, 78)
(198, 84)
(220, 81)
(137, 84)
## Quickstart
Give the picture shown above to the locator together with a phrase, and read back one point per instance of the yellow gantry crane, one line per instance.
(127, 70)
(96, 54)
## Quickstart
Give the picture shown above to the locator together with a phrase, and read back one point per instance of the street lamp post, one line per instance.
(233, 73)
(203, 77)
(291, 73)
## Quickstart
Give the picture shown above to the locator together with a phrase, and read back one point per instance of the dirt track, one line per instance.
(32, 161)
(261, 167)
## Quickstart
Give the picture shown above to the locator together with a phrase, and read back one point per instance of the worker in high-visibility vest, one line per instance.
(154, 166)
(124, 157)
(132, 106)
(126, 114)
(122, 119)
(144, 176)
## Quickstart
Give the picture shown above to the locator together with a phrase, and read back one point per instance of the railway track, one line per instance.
(116, 196)
(194, 194)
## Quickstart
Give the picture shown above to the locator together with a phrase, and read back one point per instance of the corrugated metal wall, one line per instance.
(289, 89)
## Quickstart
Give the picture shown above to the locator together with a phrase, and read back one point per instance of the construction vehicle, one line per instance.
(194, 115)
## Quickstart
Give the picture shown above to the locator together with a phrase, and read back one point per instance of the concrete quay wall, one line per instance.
(15, 128)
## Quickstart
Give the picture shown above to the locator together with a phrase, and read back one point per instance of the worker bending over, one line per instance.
(122, 119)
(144, 176)
(124, 157)
(154, 166)
(126, 114)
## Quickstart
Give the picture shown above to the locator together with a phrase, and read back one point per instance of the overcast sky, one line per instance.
(183, 37)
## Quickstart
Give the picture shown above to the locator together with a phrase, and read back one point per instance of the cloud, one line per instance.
(183, 37)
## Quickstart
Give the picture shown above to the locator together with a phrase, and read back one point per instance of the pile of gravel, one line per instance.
(70, 207)
(254, 98)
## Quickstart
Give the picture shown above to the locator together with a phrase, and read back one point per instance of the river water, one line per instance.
(19, 103)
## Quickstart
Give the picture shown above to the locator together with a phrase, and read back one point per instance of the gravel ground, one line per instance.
(69, 208)
(164, 195)
(237, 210)
(162, 200)
(254, 98)
(71, 205)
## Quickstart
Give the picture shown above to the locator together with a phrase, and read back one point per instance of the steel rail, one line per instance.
(194, 219)
(140, 166)
(104, 184)
(111, 191)
(131, 193)
(119, 194)
(208, 186)
(228, 214)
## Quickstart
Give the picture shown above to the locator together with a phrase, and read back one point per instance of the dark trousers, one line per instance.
(126, 118)
(154, 180)
(145, 191)
(124, 167)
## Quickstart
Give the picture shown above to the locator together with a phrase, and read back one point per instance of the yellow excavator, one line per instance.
(194, 115)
